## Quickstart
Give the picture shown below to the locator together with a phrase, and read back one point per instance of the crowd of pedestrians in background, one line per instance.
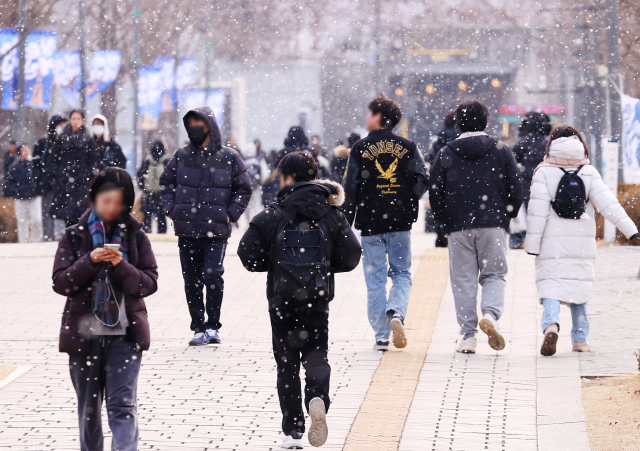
(323, 211)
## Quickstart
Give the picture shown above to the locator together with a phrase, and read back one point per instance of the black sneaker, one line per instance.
(381, 345)
(293, 440)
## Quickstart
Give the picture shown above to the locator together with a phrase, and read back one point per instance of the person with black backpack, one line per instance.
(561, 232)
(301, 240)
(149, 181)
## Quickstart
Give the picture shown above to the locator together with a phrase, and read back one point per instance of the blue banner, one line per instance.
(9, 68)
(67, 77)
(105, 65)
(166, 65)
(185, 73)
(215, 101)
(149, 97)
(40, 49)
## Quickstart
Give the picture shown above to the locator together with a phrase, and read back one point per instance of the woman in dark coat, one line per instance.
(104, 323)
(71, 169)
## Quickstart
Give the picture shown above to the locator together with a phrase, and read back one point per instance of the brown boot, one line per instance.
(581, 347)
(550, 339)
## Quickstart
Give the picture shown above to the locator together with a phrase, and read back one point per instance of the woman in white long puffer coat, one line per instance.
(565, 249)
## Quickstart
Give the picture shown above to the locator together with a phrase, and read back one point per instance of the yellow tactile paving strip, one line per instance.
(382, 415)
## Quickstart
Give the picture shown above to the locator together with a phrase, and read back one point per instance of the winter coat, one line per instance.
(201, 188)
(73, 275)
(566, 248)
(21, 179)
(529, 151)
(475, 183)
(386, 177)
(339, 163)
(317, 200)
(42, 151)
(446, 135)
(70, 170)
(108, 151)
(8, 188)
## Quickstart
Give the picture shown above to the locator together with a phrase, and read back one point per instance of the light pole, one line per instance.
(83, 56)
(22, 109)
(136, 67)
(376, 43)
(614, 80)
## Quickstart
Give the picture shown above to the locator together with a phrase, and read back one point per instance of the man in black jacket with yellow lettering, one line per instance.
(386, 177)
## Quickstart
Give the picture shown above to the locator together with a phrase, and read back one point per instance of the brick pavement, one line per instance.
(224, 397)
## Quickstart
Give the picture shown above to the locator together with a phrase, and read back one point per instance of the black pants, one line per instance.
(109, 370)
(300, 338)
(201, 260)
(152, 205)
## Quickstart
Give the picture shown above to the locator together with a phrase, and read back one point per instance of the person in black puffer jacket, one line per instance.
(475, 189)
(70, 169)
(27, 199)
(204, 188)
(530, 150)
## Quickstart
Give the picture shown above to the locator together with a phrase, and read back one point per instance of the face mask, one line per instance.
(59, 129)
(197, 134)
(98, 130)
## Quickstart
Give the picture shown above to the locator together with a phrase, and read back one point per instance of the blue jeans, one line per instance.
(375, 249)
(551, 314)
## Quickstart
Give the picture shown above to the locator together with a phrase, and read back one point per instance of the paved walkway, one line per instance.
(224, 397)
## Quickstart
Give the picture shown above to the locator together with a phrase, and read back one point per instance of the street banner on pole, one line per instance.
(67, 77)
(9, 37)
(610, 149)
(40, 49)
(215, 101)
(192, 98)
(166, 65)
(105, 65)
(631, 138)
(185, 73)
(149, 97)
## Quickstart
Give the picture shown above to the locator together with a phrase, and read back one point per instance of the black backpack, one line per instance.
(301, 257)
(571, 196)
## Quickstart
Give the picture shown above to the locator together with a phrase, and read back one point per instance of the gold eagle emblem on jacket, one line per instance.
(390, 173)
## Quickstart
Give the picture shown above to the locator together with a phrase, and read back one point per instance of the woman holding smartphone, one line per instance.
(105, 267)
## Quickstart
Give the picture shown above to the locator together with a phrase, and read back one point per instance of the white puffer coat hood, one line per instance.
(566, 248)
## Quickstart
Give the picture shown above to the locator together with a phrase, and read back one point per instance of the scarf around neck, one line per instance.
(106, 298)
(565, 153)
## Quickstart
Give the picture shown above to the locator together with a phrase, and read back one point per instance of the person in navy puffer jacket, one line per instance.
(204, 188)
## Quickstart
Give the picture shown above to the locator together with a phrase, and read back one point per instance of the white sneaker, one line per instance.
(293, 441)
(467, 345)
(397, 326)
(489, 326)
(318, 430)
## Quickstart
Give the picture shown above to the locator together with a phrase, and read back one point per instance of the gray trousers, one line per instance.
(110, 369)
(477, 256)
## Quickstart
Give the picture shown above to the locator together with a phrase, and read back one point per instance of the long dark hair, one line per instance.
(114, 178)
(565, 131)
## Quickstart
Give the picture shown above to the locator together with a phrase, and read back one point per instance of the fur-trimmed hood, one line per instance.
(311, 199)
(341, 151)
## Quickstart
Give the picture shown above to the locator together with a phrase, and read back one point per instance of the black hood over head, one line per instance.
(296, 138)
(53, 123)
(474, 147)
(311, 199)
(157, 149)
(205, 113)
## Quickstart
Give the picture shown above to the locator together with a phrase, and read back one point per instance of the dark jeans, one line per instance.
(152, 205)
(202, 260)
(113, 375)
(300, 338)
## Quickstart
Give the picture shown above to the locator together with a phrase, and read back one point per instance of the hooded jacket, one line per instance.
(386, 177)
(296, 140)
(317, 201)
(21, 180)
(529, 151)
(108, 151)
(73, 274)
(566, 248)
(202, 187)
(339, 163)
(475, 183)
(69, 168)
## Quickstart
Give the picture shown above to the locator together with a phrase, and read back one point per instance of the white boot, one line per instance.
(467, 345)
